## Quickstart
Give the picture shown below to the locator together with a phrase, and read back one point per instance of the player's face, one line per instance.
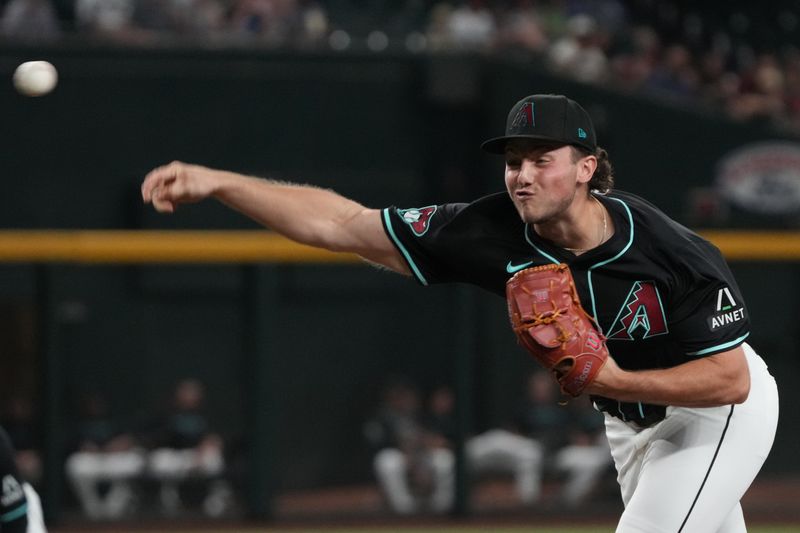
(541, 180)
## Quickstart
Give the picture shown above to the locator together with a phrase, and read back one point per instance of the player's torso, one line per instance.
(659, 293)
(623, 288)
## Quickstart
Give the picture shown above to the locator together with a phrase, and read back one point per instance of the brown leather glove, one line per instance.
(547, 316)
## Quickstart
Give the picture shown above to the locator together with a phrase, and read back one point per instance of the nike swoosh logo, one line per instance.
(516, 268)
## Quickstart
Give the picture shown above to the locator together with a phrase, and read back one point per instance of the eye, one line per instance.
(513, 162)
(542, 161)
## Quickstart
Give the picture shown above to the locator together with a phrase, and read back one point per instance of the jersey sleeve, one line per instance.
(709, 314)
(426, 239)
(13, 502)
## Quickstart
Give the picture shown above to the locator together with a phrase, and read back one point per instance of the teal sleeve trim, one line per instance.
(387, 221)
(720, 347)
(16, 513)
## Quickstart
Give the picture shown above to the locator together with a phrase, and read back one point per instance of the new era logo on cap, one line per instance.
(549, 118)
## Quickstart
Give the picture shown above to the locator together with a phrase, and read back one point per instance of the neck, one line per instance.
(584, 226)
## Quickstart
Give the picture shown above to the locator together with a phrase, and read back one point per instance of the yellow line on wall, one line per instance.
(110, 246)
(756, 245)
(159, 247)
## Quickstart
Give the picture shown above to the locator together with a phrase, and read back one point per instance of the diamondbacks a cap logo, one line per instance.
(524, 117)
(641, 316)
(418, 218)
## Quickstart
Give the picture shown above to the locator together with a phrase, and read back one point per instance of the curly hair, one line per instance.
(603, 177)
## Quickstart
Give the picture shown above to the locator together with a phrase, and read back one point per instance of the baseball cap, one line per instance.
(550, 118)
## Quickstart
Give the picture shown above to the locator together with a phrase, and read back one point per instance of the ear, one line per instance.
(586, 167)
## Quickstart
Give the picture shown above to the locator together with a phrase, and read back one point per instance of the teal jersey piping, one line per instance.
(388, 222)
(607, 261)
(591, 288)
(721, 346)
(16, 513)
(542, 252)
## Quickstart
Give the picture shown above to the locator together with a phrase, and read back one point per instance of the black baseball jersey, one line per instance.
(13, 503)
(661, 294)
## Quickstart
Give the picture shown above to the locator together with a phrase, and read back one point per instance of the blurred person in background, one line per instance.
(580, 53)
(104, 463)
(761, 91)
(413, 462)
(586, 457)
(203, 19)
(19, 421)
(30, 21)
(471, 25)
(20, 507)
(675, 76)
(494, 451)
(521, 27)
(108, 20)
(188, 454)
(268, 21)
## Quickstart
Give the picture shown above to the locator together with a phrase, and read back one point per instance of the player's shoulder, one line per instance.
(492, 210)
(660, 234)
(647, 218)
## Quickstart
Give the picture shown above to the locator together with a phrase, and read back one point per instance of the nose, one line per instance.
(527, 172)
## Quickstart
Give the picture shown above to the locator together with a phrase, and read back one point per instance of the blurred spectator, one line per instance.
(20, 507)
(636, 58)
(30, 21)
(471, 25)
(19, 421)
(674, 77)
(414, 465)
(153, 15)
(111, 19)
(203, 18)
(187, 454)
(104, 463)
(587, 455)
(761, 93)
(540, 416)
(180, 18)
(315, 25)
(571, 437)
(737, 60)
(493, 451)
(521, 28)
(271, 21)
(580, 53)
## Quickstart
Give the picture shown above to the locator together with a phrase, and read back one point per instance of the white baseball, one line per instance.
(35, 78)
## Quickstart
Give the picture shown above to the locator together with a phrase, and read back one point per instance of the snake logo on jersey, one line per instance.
(418, 218)
(641, 316)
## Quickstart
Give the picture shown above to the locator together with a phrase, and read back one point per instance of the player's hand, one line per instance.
(608, 380)
(177, 183)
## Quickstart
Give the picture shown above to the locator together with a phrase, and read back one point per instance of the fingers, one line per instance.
(162, 205)
(158, 178)
(157, 185)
